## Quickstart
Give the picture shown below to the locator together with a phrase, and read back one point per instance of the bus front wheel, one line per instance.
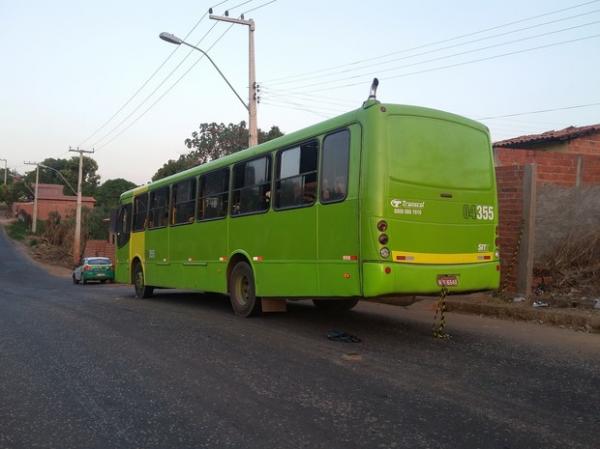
(335, 305)
(242, 292)
(141, 289)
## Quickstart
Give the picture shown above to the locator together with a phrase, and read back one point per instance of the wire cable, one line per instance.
(298, 109)
(259, 7)
(443, 41)
(439, 58)
(435, 50)
(540, 111)
(145, 83)
(151, 94)
(472, 61)
(165, 92)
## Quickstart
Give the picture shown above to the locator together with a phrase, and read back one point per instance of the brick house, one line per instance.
(51, 199)
(549, 193)
(568, 157)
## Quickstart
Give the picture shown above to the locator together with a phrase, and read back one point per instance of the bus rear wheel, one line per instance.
(242, 292)
(335, 305)
(141, 289)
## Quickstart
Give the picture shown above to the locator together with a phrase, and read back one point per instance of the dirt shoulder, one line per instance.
(585, 320)
(34, 254)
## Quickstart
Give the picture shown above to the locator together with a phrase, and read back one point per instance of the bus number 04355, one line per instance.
(478, 212)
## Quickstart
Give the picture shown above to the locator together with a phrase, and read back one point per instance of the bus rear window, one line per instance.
(438, 153)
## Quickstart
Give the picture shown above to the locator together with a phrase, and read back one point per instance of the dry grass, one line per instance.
(575, 264)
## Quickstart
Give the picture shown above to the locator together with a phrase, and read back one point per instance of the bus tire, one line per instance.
(242, 291)
(141, 289)
(335, 305)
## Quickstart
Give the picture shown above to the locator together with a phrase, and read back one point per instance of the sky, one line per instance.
(70, 66)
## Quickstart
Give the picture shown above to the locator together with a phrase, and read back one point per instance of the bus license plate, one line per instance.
(447, 280)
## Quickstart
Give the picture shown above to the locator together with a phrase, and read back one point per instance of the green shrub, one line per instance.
(17, 230)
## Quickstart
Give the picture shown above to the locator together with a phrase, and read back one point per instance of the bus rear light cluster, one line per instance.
(382, 225)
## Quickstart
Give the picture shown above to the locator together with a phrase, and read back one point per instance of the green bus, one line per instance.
(385, 200)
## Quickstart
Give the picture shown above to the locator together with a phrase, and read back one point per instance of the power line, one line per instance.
(321, 108)
(472, 61)
(240, 4)
(150, 78)
(277, 93)
(443, 41)
(435, 50)
(540, 111)
(259, 7)
(165, 92)
(151, 94)
(439, 58)
(298, 109)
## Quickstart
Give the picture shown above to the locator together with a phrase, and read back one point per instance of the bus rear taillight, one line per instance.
(382, 225)
(383, 239)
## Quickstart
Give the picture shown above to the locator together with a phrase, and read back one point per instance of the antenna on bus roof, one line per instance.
(373, 92)
(372, 95)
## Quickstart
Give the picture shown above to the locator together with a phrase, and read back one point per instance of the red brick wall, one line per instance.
(553, 167)
(63, 207)
(100, 248)
(510, 203)
(589, 145)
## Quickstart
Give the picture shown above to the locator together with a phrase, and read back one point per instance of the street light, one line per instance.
(61, 175)
(252, 139)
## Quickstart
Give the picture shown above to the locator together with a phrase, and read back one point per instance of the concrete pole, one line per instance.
(77, 240)
(252, 90)
(77, 236)
(252, 119)
(35, 199)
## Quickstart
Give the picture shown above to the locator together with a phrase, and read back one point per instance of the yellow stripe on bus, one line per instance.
(441, 258)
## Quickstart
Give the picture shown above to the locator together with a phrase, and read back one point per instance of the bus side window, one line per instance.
(213, 195)
(296, 181)
(158, 211)
(183, 201)
(140, 210)
(334, 167)
(251, 186)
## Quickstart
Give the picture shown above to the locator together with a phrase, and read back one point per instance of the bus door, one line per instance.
(338, 213)
(123, 232)
(158, 263)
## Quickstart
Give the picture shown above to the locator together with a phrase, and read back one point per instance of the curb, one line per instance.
(583, 320)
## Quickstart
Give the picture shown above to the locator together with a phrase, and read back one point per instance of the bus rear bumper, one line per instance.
(423, 279)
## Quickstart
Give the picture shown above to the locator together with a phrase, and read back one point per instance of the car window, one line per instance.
(98, 261)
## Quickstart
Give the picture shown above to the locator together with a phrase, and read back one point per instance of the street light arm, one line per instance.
(218, 70)
(61, 175)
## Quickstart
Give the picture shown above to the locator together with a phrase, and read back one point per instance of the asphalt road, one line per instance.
(92, 367)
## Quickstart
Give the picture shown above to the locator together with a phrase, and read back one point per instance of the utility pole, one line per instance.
(5, 169)
(35, 195)
(252, 87)
(77, 237)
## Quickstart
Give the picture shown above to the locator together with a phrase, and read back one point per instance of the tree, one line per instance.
(212, 141)
(69, 168)
(107, 195)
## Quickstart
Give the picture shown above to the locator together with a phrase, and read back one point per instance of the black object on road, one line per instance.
(335, 335)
